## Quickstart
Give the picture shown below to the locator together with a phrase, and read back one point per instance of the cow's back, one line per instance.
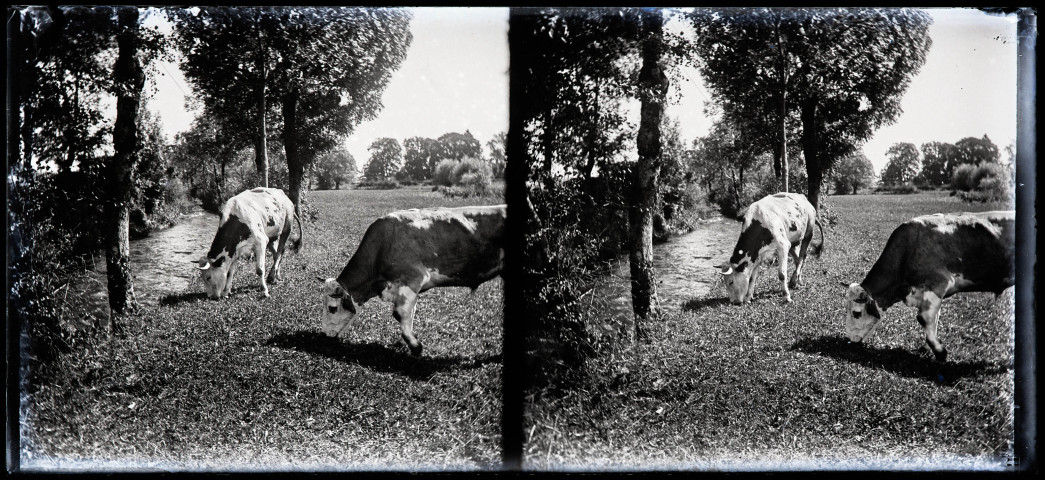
(462, 243)
(978, 247)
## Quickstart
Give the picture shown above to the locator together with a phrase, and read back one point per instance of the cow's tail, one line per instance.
(818, 249)
(295, 245)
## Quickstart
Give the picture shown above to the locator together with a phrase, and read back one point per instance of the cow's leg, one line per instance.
(796, 277)
(259, 259)
(781, 254)
(233, 266)
(403, 310)
(277, 255)
(800, 261)
(928, 314)
(755, 267)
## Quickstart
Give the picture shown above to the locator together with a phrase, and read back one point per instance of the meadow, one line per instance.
(249, 383)
(771, 385)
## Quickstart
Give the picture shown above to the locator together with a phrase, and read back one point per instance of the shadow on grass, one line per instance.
(899, 361)
(697, 304)
(172, 300)
(377, 356)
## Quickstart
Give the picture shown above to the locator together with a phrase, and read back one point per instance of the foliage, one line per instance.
(986, 182)
(851, 173)
(325, 69)
(940, 159)
(443, 175)
(497, 159)
(902, 166)
(421, 156)
(379, 184)
(335, 168)
(386, 158)
(976, 150)
(458, 146)
(840, 98)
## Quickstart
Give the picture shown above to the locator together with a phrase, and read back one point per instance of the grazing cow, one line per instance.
(249, 222)
(777, 225)
(930, 258)
(407, 252)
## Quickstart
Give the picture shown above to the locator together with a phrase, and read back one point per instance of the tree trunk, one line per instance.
(810, 147)
(128, 79)
(653, 84)
(785, 169)
(295, 167)
(261, 158)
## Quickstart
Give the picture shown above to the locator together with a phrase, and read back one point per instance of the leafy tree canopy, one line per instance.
(903, 164)
(386, 158)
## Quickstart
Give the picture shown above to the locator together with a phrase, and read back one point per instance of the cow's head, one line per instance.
(738, 280)
(862, 313)
(339, 309)
(215, 275)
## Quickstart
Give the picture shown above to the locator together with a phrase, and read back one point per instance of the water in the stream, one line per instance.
(684, 270)
(161, 264)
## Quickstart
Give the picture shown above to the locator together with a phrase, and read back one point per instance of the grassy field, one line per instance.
(771, 385)
(248, 383)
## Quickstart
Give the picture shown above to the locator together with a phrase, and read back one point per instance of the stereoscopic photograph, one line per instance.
(538, 239)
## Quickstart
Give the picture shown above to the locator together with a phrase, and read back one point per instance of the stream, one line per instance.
(161, 264)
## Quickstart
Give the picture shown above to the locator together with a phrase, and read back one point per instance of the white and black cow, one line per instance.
(777, 225)
(932, 257)
(249, 222)
(407, 252)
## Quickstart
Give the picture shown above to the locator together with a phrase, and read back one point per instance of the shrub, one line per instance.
(444, 173)
(962, 178)
(382, 184)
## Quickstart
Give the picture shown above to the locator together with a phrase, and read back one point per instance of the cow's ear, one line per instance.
(872, 309)
(346, 303)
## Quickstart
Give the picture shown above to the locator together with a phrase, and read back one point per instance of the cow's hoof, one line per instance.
(941, 356)
(416, 351)
(265, 295)
(272, 280)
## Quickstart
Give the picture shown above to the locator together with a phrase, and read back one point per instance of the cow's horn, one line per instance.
(724, 269)
(203, 264)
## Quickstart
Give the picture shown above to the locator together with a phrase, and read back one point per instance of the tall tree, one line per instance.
(335, 168)
(386, 158)
(754, 64)
(851, 67)
(329, 66)
(128, 80)
(653, 86)
(939, 160)
(421, 154)
(457, 146)
(977, 150)
(903, 164)
(851, 173)
(496, 148)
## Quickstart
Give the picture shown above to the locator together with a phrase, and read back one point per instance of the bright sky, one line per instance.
(455, 77)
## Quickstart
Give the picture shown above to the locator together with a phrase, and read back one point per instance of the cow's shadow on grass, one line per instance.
(176, 299)
(377, 356)
(698, 304)
(900, 361)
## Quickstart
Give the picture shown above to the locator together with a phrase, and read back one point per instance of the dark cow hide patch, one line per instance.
(229, 235)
